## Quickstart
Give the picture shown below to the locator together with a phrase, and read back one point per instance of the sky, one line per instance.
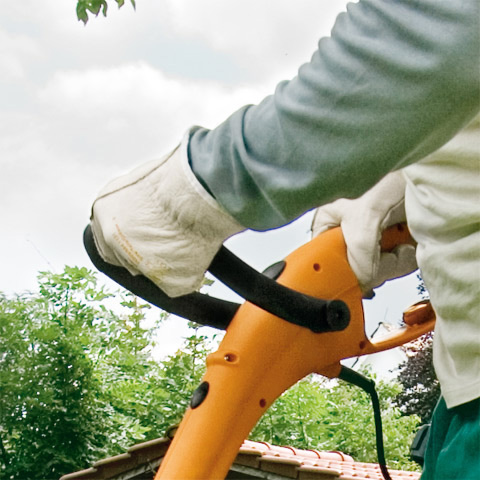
(80, 105)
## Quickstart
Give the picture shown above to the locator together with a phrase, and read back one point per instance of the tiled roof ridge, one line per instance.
(290, 462)
(254, 457)
(309, 453)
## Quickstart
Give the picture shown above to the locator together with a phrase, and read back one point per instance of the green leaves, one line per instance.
(77, 379)
(326, 415)
(78, 383)
(421, 389)
(94, 6)
(68, 365)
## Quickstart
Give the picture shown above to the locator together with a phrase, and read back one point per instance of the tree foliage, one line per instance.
(421, 389)
(338, 416)
(84, 7)
(76, 378)
(181, 375)
(78, 383)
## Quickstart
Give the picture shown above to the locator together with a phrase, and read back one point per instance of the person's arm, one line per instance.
(394, 82)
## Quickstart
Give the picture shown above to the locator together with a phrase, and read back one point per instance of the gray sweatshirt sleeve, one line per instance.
(395, 80)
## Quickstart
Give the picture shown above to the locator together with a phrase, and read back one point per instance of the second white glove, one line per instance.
(363, 220)
(159, 221)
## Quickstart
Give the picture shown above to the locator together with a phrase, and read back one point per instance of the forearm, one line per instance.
(395, 81)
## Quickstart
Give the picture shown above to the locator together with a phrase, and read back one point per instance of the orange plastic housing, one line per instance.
(262, 355)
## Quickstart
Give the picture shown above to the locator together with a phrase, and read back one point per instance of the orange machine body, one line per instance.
(262, 355)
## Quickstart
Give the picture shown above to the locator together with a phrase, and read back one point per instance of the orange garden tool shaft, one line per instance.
(262, 355)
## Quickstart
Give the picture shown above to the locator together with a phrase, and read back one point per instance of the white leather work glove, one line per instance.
(159, 221)
(363, 220)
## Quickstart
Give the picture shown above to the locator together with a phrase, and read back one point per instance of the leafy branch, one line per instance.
(84, 7)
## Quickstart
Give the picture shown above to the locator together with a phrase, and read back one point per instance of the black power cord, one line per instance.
(368, 385)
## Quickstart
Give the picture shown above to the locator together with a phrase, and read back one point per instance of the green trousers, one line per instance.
(453, 451)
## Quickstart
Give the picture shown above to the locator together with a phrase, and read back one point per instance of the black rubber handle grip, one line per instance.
(316, 314)
(197, 307)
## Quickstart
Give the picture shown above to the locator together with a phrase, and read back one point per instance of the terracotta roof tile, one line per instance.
(315, 465)
(287, 462)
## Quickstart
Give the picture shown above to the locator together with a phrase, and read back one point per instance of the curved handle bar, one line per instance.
(316, 314)
(295, 307)
(199, 308)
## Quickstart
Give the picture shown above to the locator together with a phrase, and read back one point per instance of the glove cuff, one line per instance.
(158, 220)
(214, 218)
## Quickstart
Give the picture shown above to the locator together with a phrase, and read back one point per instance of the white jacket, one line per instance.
(443, 211)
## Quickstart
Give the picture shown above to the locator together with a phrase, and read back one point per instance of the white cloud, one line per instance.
(85, 127)
(266, 39)
(133, 87)
(15, 51)
(270, 35)
(87, 102)
(129, 111)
